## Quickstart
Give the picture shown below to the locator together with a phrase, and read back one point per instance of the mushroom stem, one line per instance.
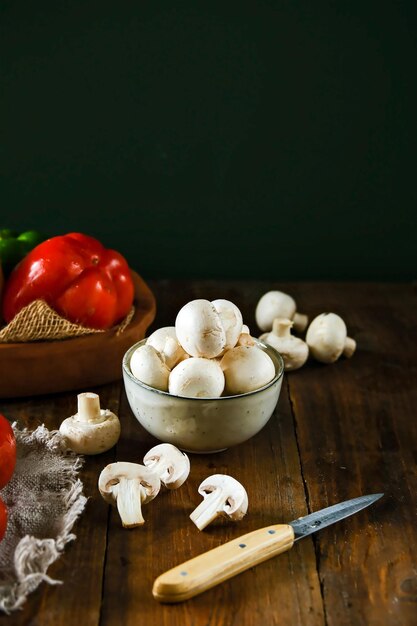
(282, 327)
(300, 322)
(129, 502)
(350, 347)
(208, 510)
(293, 350)
(88, 407)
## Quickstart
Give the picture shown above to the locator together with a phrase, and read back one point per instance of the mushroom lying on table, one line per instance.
(223, 496)
(91, 430)
(327, 338)
(129, 486)
(275, 304)
(293, 350)
(170, 464)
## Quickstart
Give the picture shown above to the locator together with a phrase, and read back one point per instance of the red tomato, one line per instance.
(7, 451)
(3, 519)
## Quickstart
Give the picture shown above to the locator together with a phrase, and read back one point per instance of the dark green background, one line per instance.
(270, 139)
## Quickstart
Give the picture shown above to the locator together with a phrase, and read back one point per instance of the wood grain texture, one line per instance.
(339, 431)
(357, 434)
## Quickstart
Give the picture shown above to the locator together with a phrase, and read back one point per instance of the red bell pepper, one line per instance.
(77, 276)
(3, 519)
(7, 451)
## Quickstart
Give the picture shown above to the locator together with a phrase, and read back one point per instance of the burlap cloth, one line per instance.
(38, 322)
(44, 499)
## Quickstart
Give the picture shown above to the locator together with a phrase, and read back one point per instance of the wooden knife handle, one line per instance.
(213, 567)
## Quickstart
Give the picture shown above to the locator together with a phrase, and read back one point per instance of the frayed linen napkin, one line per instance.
(44, 498)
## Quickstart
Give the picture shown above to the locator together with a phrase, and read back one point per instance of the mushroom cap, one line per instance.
(112, 474)
(271, 305)
(148, 366)
(199, 329)
(246, 368)
(165, 341)
(170, 464)
(231, 319)
(294, 351)
(197, 378)
(92, 437)
(326, 337)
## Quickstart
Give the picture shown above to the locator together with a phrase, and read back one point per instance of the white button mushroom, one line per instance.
(275, 304)
(129, 486)
(294, 351)
(165, 341)
(245, 338)
(197, 378)
(327, 338)
(170, 464)
(246, 368)
(148, 366)
(223, 496)
(199, 329)
(92, 430)
(231, 319)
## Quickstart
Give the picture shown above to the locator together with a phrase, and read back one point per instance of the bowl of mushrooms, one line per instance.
(204, 384)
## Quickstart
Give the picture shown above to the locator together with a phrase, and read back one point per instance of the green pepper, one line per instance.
(15, 246)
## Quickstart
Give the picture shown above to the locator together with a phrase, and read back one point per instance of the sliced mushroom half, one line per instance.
(223, 496)
(129, 486)
(170, 464)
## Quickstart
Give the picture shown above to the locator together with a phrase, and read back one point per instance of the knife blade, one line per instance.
(229, 559)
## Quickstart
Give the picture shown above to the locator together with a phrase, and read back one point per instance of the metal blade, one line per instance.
(308, 524)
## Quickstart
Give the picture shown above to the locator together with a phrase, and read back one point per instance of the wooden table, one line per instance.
(339, 431)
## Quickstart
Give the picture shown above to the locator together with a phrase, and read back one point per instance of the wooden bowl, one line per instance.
(31, 369)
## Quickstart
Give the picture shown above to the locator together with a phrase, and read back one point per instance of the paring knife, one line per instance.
(215, 566)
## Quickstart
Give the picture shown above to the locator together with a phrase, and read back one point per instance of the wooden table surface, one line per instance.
(339, 431)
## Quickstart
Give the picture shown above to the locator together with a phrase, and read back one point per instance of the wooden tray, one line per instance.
(31, 369)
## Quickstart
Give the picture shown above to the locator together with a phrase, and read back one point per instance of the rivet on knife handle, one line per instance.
(217, 565)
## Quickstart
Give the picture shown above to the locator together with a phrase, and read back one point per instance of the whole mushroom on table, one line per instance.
(326, 337)
(91, 430)
(274, 304)
(293, 350)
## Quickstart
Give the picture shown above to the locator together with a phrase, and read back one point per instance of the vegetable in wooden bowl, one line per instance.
(43, 367)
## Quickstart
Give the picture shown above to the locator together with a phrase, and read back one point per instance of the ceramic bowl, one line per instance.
(202, 424)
